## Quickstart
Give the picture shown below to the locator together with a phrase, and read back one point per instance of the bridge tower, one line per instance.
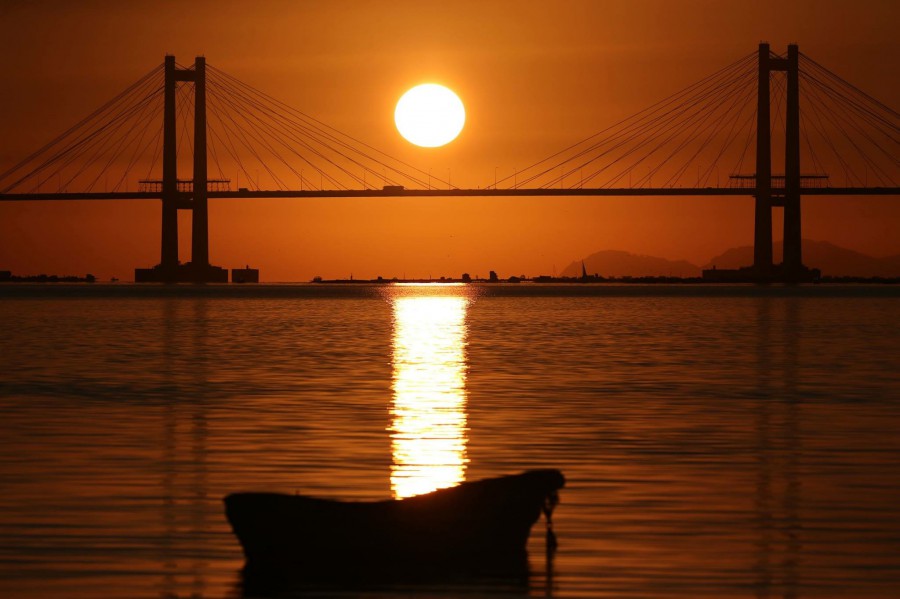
(792, 268)
(174, 196)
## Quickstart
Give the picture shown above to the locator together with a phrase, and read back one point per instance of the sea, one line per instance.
(717, 441)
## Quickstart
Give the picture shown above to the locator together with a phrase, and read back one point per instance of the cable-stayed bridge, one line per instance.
(722, 136)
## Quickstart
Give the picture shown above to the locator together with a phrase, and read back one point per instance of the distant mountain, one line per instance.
(614, 263)
(832, 260)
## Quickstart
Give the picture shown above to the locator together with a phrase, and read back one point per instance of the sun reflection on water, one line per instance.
(428, 430)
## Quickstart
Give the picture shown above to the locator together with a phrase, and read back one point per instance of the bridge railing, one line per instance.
(812, 181)
(183, 185)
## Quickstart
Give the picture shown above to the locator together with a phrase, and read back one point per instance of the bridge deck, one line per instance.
(486, 193)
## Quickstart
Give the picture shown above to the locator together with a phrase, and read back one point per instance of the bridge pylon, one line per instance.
(198, 270)
(791, 269)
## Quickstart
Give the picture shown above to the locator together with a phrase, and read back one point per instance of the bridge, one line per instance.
(177, 117)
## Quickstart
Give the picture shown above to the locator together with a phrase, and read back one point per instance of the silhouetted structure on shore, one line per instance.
(773, 274)
(181, 273)
(6, 276)
(245, 275)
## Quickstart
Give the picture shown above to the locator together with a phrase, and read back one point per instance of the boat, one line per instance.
(475, 529)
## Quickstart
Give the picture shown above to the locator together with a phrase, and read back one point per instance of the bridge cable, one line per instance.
(85, 142)
(280, 139)
(92, 116)
(659, 127)
(64, 149)
(838, 120)
(638, 120)
(319, 131)
(665, 116)
(288, 123)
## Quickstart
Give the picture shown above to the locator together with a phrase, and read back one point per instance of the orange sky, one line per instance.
(534, 76)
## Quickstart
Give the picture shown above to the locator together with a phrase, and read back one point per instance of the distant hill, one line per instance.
(832, 260)
(614, 263)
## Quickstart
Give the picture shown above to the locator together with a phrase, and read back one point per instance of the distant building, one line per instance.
(748, 274)
(245, 275)
(183, 273)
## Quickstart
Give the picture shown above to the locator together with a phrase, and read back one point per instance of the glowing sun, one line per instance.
(430, 115)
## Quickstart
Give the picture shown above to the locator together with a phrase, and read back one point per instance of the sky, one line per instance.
(534, 77)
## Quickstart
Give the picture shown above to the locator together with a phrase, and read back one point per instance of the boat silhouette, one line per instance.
(477, 529)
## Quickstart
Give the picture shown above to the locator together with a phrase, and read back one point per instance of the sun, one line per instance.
(430, 115)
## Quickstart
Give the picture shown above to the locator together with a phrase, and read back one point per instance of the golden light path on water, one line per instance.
(428, 429)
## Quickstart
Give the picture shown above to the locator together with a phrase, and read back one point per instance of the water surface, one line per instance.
(721, 442)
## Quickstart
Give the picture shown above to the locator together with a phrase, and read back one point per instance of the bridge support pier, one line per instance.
(198, 270)
(762, 239)
(168, 261)
(200, 216)
(793, 251)
(791, 269)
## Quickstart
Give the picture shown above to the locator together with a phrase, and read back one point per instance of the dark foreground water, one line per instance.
(719, 442)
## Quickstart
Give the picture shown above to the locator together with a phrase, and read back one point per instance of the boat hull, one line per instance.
(476, 529)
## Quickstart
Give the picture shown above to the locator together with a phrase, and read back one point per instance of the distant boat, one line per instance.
(475, 529)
